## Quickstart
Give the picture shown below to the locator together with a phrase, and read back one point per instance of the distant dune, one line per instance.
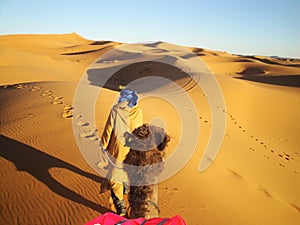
(44, 179)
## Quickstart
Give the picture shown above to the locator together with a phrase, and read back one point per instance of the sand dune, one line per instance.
(254, 180)
(47, 57)
(253, 68)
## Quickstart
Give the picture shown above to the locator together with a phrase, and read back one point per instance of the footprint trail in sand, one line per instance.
(268, 152)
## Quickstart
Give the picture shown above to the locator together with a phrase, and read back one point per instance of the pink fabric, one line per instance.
(111, 219)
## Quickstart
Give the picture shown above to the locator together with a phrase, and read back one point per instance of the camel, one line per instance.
(143, 165)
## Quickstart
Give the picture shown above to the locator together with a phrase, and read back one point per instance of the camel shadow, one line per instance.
(38, 163)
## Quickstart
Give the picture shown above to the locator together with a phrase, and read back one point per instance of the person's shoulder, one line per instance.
(136, 108)
(114, 109)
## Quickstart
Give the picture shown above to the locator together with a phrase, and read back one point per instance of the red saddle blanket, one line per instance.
(114, 219)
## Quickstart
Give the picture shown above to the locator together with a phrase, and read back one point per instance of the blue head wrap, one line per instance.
(130, 96)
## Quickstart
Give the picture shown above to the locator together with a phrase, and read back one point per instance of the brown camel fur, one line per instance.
(147, 144)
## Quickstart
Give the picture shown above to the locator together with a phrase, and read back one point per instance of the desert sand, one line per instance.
(254, 180)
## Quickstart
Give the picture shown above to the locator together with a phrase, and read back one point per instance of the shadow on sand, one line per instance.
(38, 163)
(285, 80)
(139, 70)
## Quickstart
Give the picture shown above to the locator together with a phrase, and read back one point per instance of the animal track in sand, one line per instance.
(204, 120)
(235, 174)
(36, 88)
(82, 123)
(21, 86)
(244, 130)
(67, 114)
(47, 93)
(282, 156)
(57, 98)
(264, 190)
(288, 157)
(68, 111)
(68, 107)
(57, 102)
(294, 206)
(175, 189)
(86, 131)
(31, 115)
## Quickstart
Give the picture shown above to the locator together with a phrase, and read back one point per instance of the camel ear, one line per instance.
(164, 142)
